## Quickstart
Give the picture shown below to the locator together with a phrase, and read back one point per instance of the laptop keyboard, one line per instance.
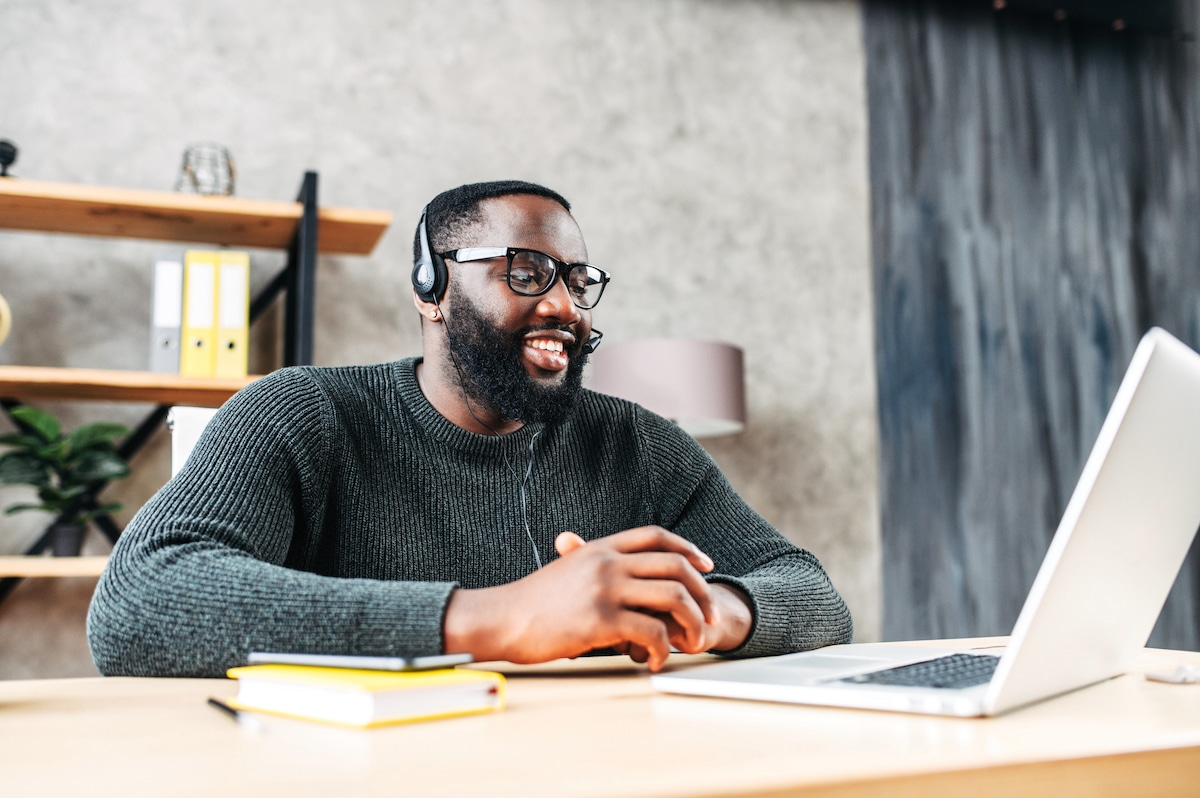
(952, 672)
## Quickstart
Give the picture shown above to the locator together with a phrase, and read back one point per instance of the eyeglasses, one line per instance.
(533, 273)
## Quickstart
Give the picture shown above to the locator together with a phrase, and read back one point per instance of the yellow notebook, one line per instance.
(363, 698)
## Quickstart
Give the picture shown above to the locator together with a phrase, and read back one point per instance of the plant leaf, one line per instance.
(73, 491)
(96, 465)
(54, 453)
(20, 508)
(39, 422)
(21, 441)
(22, 468)
(104, 509)
(91, 435)
(51, 497)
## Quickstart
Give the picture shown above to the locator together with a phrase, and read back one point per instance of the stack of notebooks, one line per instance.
(365, 697)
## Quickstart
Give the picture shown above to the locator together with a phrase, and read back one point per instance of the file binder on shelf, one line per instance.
(233, 314)
(199, 314)
(166, 314)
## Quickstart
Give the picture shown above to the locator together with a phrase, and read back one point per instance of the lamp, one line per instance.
(697, 384)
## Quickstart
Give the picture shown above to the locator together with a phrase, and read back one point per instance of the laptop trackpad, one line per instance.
(838, 662)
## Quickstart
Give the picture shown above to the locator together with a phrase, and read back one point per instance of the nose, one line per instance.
(556, 303)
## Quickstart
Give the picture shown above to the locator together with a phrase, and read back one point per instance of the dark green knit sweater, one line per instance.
(333, 510)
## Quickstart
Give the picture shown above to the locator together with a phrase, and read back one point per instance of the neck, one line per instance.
(443, 388)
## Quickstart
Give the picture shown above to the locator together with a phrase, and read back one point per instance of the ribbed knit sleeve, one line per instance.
(795, 605)
(235, 553)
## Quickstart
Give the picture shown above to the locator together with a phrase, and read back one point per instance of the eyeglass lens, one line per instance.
(532, 273)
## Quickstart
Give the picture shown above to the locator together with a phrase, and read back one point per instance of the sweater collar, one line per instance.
(438, 427)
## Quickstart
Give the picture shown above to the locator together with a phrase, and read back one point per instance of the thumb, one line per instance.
(567, 542)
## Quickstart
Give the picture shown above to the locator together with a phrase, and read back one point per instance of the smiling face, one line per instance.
(519, 357)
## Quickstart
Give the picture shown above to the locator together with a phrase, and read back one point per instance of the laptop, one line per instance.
(1094, 602)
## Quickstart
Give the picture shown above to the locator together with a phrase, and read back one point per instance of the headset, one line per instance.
(429, 274)
(430, 278)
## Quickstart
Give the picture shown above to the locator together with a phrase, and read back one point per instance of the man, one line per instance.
(476, 500)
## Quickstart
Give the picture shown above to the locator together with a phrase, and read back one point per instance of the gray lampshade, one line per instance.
(700, 385)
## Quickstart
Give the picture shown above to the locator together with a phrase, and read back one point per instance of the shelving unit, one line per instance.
(302, 228)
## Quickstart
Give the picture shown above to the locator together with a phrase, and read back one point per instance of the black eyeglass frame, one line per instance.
(562, 269)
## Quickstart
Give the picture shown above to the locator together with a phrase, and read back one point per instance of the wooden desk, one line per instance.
(594, 728)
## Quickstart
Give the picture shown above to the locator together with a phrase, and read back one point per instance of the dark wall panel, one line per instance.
(1036, 207)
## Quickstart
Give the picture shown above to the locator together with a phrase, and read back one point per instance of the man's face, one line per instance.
(522, 356)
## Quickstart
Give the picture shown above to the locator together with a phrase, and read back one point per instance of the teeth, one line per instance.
(549, 346)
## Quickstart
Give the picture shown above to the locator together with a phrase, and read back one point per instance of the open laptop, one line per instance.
(1093, 604)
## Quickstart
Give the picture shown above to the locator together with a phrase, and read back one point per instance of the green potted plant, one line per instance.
(63, 467)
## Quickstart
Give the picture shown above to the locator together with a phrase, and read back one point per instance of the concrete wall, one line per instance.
(715, 152)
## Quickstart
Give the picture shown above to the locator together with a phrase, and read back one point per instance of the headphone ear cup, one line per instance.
(441, 277)
(427, 279)
(429, 275)
(421, 279)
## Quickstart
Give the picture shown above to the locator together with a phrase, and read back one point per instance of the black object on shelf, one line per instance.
(8, 156)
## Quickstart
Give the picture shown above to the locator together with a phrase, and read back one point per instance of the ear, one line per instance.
(428, 310)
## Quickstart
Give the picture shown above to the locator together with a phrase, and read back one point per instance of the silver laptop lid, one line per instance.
(1122, 539)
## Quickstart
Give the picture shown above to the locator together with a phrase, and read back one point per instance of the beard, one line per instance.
(490, 369)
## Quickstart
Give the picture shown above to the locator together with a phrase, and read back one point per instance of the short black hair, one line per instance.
(450, 214)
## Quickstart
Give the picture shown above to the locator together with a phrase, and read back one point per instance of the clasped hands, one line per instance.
(639, 591)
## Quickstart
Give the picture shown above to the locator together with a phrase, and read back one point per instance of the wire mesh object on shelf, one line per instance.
(207, 169)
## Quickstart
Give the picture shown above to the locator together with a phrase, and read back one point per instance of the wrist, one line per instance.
(473, 626)
(737, 617)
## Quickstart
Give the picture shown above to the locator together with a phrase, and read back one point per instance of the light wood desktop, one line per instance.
(593, 727)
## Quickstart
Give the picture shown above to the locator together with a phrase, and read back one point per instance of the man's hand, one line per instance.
(733, 618)
(639, 590)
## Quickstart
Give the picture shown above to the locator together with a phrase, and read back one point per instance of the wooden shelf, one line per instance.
(51, 566)
(35, 382)
(171, 216)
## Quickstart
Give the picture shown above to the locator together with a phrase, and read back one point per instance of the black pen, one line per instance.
(244, 719)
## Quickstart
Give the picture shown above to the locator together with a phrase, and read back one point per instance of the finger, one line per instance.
(678, 638)
(647, 633)
(567, 542)
(638, 654)
(673, 567)
(665, 598)
(655, 538)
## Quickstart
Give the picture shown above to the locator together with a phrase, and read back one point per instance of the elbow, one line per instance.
(829, 624)
(113, 635)
(845, 629)
(127, 638)
(105, 640)
(839, 621)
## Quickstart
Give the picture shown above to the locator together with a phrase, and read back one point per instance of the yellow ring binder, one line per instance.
(5, 319)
